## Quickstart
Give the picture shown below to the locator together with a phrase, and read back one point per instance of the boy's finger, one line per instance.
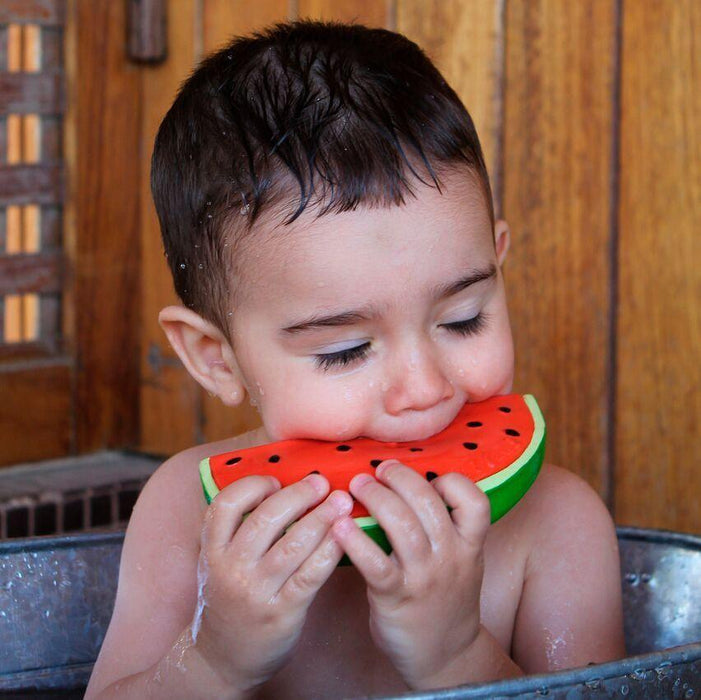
(226, 511)
(403, 528)
(302, 538)
(421, 497)
(269, 520)
(470, 506)
(381, 573)
(305, 582)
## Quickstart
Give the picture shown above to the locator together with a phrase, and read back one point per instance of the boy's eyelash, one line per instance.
(471, 326)
(342, 357)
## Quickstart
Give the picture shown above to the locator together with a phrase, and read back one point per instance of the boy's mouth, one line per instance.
(419, 432)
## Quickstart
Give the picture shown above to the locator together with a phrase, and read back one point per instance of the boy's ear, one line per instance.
(502, 240)
(205, 352)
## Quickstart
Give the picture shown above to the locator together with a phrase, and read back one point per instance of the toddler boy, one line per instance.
(328, 220)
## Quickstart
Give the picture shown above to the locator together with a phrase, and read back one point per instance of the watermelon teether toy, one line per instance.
(498, 443)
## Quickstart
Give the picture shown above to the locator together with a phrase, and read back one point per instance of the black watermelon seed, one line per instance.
(416, 449)
(343, 448)
(375, 462)
(430, 476)
(511, 431)
(233, 460)
(504, 409)
(474, 424)
(470, 445)
(274, 458)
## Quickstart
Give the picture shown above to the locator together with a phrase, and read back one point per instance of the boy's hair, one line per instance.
(305, 114)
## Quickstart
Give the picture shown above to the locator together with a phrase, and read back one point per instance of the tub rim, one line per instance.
(633, 668)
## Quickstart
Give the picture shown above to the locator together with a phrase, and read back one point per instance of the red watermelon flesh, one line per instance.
(484, 439)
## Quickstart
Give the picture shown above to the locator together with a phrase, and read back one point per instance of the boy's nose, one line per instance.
(417, 383)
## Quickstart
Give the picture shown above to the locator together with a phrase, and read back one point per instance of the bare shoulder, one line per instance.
(175, 486)
(571, 516)
(559, 497)
(556, 481)
(560, 514)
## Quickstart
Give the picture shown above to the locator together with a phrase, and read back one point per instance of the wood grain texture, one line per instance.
(104, 247)
(34, 424)
(373, 13)
(465, 40)
(658, 480)
(169, 397)
(221, 21)
(557, 198)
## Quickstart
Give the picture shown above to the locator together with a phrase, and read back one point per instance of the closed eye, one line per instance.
(342, 357)
(471, 326)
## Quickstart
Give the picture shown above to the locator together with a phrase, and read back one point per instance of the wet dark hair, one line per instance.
(305, 114)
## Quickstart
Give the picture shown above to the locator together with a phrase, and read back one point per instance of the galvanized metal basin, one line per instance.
(57, 593)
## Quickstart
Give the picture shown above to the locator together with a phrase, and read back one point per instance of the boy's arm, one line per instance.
(147, 640)
(570, 612)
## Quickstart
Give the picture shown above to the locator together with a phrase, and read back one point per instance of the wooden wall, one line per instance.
(590, 117)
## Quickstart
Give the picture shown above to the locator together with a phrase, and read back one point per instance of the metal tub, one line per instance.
(56, 597)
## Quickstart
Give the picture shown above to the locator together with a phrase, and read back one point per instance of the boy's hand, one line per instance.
(257, 583)
(424, 597)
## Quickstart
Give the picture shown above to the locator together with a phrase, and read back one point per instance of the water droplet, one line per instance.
(631, 578)
(624, 690)
(593, 684)
(689, 693)
(209, 216)
(183, 266)
(200, 266)
(645, 578)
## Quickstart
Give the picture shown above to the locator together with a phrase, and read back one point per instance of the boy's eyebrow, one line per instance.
(348, 318)
(448, 290)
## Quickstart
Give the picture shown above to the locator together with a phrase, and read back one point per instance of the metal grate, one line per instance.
(73, 494)
(32, 98)
(105, 507)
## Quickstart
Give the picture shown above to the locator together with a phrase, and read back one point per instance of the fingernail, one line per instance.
(360, 480)
(341, 502)
(382, 468)
(317, 482)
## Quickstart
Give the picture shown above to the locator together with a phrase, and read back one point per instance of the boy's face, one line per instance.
(365, 323)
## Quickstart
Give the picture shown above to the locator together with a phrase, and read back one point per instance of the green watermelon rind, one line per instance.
(504, 489)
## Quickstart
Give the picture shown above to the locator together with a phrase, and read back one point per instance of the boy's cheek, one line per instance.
(311, 416)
